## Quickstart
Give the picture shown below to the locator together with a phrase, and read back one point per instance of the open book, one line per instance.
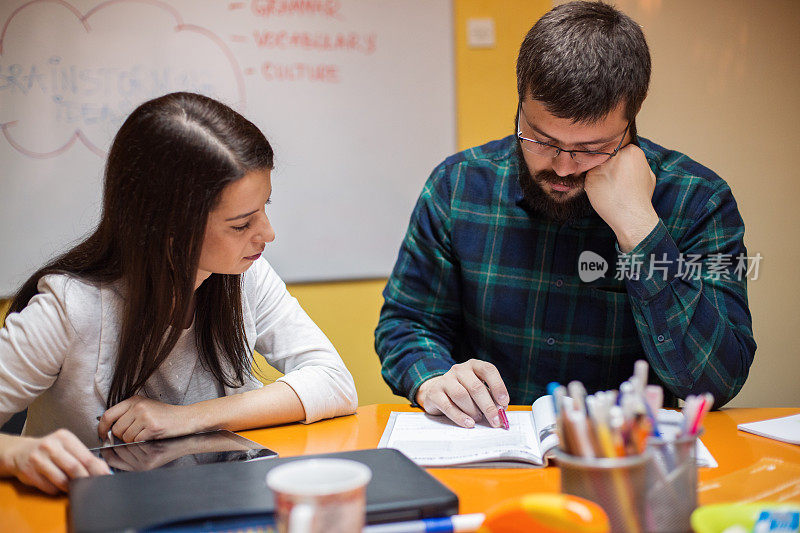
(436, 441)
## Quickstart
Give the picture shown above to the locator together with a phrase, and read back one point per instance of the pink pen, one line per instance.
(705, 406)
(503, 418)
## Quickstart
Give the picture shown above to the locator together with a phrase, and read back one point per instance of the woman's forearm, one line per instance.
(273, 404)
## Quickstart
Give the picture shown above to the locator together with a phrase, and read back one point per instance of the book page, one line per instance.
(436, 441)
(670, 424)
(544, 421)
(786, 429)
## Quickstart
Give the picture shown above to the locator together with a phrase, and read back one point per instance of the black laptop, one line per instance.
(216, 493)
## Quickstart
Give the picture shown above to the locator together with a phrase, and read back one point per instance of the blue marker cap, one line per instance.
(551, 387)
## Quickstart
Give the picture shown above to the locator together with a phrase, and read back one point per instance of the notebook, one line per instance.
(786, 429)
(436, 441)
(399, 490)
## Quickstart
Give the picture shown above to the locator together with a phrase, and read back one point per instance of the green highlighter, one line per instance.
(747, 517)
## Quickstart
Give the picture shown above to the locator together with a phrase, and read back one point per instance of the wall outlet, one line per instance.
(480, 33)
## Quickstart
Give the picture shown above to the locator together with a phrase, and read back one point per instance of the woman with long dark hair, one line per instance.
(147, 328)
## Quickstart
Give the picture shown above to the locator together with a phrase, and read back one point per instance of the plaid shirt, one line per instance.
(479, 276)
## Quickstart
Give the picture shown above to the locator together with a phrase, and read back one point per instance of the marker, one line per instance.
(640, 370)
(598, 410)
(579, 428)
(690, 409)
(578, 394)
(616, 422)
(653, 416)
(451, 524)
(559, 399)
(654, 396)
(503, 418)
(706, 400)
(501, 412)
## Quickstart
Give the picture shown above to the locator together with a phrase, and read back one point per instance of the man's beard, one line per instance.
(535, 197)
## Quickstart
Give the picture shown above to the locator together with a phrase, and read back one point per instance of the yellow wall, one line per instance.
(348, 312)
(486, 80)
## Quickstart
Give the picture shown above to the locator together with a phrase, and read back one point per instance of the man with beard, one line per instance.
(571, 249)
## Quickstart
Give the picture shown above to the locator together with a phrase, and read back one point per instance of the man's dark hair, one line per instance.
(582, 59)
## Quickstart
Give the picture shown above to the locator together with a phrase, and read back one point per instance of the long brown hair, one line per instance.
(167, 166)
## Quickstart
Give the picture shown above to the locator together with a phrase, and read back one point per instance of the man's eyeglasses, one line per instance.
(582, 157)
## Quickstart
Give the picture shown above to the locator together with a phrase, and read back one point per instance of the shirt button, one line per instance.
(551, 341)
(559, 283)
(660, 338)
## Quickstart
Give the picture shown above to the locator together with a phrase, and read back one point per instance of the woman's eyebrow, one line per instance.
(244, 215)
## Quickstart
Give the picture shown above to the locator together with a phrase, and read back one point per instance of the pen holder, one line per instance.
(671, 484)
(615, 484)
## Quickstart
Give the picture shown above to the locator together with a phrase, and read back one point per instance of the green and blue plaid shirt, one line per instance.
(479, 276)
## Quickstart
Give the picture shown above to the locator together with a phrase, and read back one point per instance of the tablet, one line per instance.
(219, 446)
(235, 496)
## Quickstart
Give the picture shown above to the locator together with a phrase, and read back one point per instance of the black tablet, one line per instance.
(220, 446)
(222, 497)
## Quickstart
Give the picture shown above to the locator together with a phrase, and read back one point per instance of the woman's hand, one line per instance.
(139, 418)
(48, 463)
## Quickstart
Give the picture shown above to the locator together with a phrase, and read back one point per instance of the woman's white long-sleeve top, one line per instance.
(57, 356)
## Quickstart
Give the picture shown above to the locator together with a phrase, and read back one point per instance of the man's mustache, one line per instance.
(570, 180)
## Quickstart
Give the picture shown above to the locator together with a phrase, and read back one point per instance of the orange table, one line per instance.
(23, 509)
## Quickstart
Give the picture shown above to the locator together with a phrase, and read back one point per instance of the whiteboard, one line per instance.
(355, 96)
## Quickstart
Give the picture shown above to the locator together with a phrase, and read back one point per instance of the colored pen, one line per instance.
(598, 410)
(449, 524)
(559, 392)
(503, 418)
(500, 411)
(579, 429)
(706, 401)
(578, 394)
(653, 421)
(559, 396)
(551, 387)
(654, 396)
(639, 379)
(690, 406)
